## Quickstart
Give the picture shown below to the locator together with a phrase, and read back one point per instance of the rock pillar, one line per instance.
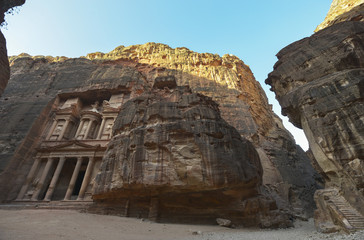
(101, 128)
(29, 178)
(86, 179)
(42, 179)
(55, 179)
(71, 186)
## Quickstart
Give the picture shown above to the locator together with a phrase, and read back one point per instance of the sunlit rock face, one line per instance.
(5, 5)
(319, 82)
(341, 11)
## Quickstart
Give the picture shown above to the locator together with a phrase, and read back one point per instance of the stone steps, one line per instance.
(355, 219)
(64, 205)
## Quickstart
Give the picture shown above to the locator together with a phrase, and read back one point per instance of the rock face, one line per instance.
(169, 146)
(5, 5)
(243, 104)
(319, 82)
(341, 11)
(4, 64)
(287, 173)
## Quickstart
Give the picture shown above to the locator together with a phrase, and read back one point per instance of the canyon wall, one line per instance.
(287, 172)
(5, 5)
(37, 84)
(319, 83)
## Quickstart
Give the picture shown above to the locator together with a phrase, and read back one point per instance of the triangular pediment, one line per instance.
(73, 145)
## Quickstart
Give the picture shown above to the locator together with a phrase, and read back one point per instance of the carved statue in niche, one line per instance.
(58, 129)
(95, 106)
(91, 132)
(84, 128)
(108, 128)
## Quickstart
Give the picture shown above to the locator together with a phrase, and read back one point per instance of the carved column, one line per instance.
(101, 128)
(79, 127)
(86, 178)
(55, 179)
(71, 186)
(88, 128)
(42, 179)
(64, 129)
(55, 121)
(29, 178)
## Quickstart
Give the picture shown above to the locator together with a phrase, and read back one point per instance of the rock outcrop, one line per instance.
(319, 82)
(171, 145)
(5, 5)
(342, 11)
(287, 173)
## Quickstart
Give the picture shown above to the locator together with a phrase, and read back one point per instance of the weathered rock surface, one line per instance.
(5, 5)
(4, 64)
(319, 82)
(341, 11)
(242, 103)
(169, 147)
(287, 173)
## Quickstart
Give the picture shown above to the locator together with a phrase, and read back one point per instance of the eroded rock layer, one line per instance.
(172, 143)
(242, 103)
(319, 82)
(287, 173)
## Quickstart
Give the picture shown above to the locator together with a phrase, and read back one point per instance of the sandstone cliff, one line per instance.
(169, 146)
(243, 104)
(5, 5)
(287, 173)
(341, 11)
(319, 84)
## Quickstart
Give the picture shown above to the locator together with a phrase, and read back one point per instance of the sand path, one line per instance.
(40, 224)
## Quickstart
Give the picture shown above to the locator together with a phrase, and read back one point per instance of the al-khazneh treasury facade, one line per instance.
(68, 158)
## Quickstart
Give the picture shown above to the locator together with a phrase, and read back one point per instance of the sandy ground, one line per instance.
(61, 224)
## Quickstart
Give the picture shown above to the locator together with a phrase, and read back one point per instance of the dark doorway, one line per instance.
(76, 189)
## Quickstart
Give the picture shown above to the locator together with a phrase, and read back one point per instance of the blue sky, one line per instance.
(252, 30)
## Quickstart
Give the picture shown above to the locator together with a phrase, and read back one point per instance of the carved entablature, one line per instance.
(85, 120)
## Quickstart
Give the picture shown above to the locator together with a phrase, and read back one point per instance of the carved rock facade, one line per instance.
(319, 82)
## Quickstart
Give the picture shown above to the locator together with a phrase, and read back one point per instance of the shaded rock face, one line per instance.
(4, 63)
(319, 82)
(177, 138)
(341, 11)
(173, 142)
(287, 173)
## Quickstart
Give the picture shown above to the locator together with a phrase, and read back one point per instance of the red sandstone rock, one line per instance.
(319, 84)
